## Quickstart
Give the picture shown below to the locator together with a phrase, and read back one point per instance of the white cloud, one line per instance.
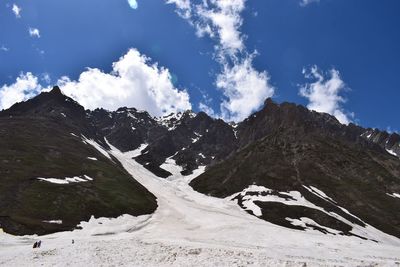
(25, 87)
(324, 93)
(184, 7)
(34, 32)
(245, 88)
(181, 4)
(4, 48)
(17, 10)
(134, 82)
(304, 3)
(221, 21)
(133, 4)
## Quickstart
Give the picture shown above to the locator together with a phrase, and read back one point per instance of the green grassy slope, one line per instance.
(43, 147)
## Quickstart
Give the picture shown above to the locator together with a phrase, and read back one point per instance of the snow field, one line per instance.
(192, 229)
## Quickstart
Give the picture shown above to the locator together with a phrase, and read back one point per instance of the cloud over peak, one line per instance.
(324, 93)
(133, 82)
(25, 87)
(244, 87)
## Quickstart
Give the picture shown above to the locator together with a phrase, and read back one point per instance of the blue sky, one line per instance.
(335, 56)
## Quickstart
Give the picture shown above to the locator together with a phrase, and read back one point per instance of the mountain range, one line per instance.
(284, 164)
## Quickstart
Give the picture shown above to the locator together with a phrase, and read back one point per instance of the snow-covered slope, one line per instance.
(192, 229)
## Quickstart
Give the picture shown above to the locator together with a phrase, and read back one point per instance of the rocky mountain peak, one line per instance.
(269, 102)
(49, 104)
(56, 91)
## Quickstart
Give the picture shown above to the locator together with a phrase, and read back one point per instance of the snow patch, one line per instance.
(391, 152)
(133, 153)
(130, 115)
(170, 121)
(171, 166)
(96, 146)
(307, 224)
(295, 198)
(319, 193)
(91, 158)
(267, 195)
(88, 178)
(395, 195)
(66, 180)
(235, 133)
(53, 221)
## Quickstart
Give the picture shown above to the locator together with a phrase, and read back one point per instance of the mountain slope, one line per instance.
(192, 229)
(43, 142)
(284, 164)
(190, 139)
(297, 155)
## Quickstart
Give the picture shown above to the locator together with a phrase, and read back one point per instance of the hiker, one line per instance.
(73, 241)
(35, 245)
(39, 243)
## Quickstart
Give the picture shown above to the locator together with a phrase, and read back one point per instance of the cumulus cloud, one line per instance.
(239, 81)
(133, 82)
(245, 89)
(324, 93)
(304, 3)
(16, 10)
(34, 32)
(25, 87)
(133, 4)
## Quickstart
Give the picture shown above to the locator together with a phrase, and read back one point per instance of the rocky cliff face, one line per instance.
(387, 141)
(190, 139)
